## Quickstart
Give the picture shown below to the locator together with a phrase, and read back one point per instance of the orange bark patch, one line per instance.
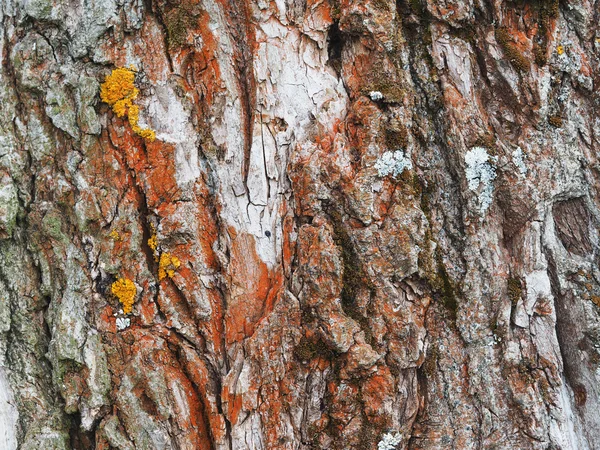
(199, 375)
(253, 289)
(376, 392)
(233, 404)
(175, 399)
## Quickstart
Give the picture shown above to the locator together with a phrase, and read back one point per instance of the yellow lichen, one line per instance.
(146, 133)
(134, 115)
(560, 49)
(125, 291)
(119, 87)
(115, 235)
(119, 91)
(153, 243)
(167, 265)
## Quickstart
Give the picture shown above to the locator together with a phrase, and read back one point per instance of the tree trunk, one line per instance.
(338, 224)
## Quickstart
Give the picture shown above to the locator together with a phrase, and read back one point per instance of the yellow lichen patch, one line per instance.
(119, 91)
(146, 133)
(560, 49)
(153, 242)
(115, 235)
(118, 87)
(167, 265)
(125, 291)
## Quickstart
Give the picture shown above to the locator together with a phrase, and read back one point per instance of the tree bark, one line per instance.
(361, 225)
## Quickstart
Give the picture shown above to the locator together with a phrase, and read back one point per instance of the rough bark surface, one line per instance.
(385, 214)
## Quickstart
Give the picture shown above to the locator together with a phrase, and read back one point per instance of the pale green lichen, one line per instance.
(87, 89)
(393, 163)
(61, 110)
(9, 207)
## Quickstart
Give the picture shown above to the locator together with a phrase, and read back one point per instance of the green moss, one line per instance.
(354, 279)
(415, 184)
(511, 51)
(434, 271)
(305, 350)
(417, 7)
(429, 366)
(445, 286)
(177, 22)
(551, 8)
(540, 55)
(307, 314)
(391, 92)
(368, 436)
(308, 349)
(382, 5)
(336, 10)
(382, 81)
(515, 290)
(426, 193)
(548, 10)
(555, 120)
(396, 139)
(487, 140)
(525, 368)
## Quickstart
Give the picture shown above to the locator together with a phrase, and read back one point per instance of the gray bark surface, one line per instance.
(361, 225)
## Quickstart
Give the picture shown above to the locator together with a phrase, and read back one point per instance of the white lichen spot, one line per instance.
(392, 163)
(389, 441)
(376, 95)
(519, 161)
(123, 322)
(480, 176)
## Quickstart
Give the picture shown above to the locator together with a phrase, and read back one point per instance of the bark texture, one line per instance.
(362, 225)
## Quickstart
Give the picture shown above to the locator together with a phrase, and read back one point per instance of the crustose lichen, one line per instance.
(119, 91)
(480, 175)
